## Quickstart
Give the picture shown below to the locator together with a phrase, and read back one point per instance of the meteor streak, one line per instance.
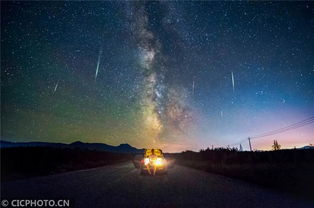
(232, 80)
(98, 62)
(56, 87)
(193, 87)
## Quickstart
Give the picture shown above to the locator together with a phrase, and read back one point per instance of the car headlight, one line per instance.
(158, 162)
(146, 161)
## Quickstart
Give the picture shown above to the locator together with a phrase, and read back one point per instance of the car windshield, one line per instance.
(156, 152)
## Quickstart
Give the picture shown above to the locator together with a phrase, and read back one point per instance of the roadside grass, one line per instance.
(290, 171)
(25, 162)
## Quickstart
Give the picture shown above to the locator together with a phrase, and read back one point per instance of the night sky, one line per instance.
(175, 75)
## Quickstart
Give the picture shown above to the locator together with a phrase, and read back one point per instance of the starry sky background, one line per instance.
(157, 74)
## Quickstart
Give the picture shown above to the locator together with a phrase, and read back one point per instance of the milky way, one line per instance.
(165, 112)
(175, 75)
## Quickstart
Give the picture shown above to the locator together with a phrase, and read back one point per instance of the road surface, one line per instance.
(122, 186)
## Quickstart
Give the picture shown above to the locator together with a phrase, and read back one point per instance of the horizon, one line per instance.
(139, 148)
(173, 75)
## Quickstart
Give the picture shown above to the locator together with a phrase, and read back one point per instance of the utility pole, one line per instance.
(250, 143)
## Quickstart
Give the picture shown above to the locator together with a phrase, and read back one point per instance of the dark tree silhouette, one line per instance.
(276, 146)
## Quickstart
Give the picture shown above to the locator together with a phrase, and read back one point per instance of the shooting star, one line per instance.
(193, 87)
(253, 19)
(98, 62)
(232, 80)
(221, 113)
(56, 87)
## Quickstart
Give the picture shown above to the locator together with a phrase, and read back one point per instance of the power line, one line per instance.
(280, 130)
(287, 128)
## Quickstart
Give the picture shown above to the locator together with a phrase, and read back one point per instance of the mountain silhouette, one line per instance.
(122, 148)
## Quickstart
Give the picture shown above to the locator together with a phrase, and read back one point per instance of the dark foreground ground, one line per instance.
(26, 162)
(122, 186)
(289, 171)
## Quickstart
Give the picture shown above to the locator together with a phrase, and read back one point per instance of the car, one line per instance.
(153, 162)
